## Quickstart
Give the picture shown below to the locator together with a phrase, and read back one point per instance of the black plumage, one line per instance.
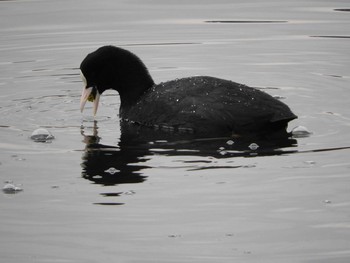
(201, 105)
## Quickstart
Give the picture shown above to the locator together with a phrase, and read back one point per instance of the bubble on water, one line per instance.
(42, 135)
(300, 132)
(223, 152)
(310, 162)
(18, 158)
(112, 170)
(230, 142)
(253, 146)
(11, 188)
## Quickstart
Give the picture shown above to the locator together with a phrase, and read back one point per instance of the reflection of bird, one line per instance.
(125, 163)
(110, 165)
(201, 105)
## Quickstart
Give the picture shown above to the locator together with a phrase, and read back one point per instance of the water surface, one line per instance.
(97, 194)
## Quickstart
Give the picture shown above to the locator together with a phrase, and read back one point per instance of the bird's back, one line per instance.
(209, 105)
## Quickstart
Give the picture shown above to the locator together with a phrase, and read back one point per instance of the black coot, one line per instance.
(202, 105)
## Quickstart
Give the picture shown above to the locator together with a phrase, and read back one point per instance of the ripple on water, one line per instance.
(342, 9)
(332, 36)
(246, 21)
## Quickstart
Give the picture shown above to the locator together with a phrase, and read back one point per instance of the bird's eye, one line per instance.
(83, 78)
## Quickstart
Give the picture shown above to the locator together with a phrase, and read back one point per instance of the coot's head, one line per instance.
(110, 67)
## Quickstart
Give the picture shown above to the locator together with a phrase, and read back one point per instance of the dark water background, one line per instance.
(95, 194)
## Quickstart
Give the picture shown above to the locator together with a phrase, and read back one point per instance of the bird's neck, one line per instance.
(131, 93)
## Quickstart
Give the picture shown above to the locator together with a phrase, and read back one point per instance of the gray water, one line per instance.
(93, 194)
